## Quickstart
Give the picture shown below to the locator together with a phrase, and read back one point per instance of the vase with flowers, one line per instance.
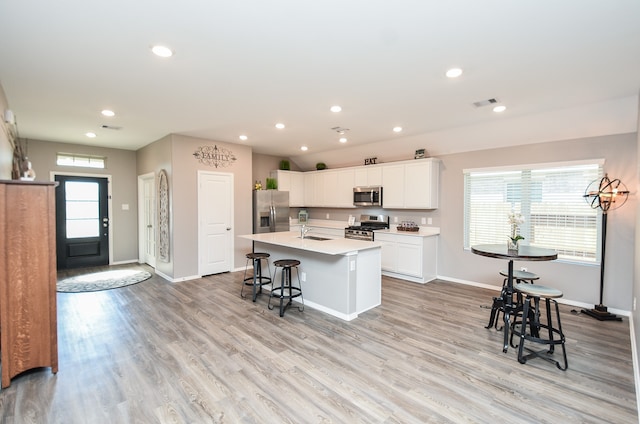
(515, 220)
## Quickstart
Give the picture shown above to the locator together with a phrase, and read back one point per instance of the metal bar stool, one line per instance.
(257, 280)
(498, 302)
(530, 317)
(286, 292)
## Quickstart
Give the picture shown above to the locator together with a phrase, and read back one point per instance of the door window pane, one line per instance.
(82, 207)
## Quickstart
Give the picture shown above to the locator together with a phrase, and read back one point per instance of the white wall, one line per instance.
(6, 152)
(121, 165)
(175, 154)
(578, 282)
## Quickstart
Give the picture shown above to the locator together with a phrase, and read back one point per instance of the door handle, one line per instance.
(228, 228)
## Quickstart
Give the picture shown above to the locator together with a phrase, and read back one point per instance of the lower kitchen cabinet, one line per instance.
(409, 257)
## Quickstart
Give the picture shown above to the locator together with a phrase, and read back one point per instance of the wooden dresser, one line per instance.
(28, 322)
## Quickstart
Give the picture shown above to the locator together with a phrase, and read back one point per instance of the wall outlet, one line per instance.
(395, 219)
(634, 303)
(327, 216)
(429, 221)
(424, 221)
(524, 269)
(303, 276)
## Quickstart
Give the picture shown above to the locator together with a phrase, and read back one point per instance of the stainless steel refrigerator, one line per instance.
(270, 211)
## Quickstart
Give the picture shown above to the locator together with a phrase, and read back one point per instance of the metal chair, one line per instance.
(286, 292)
(527, 324)
(257, 280)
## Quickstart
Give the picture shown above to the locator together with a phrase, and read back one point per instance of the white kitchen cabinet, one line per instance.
(406, 185)
(393, 190)
(310, 198)
(369, 175)
(421, 184)
(409, 257)
(327, 182)
(411, 185)
(344, 188)
(329, 188)
(293, 182)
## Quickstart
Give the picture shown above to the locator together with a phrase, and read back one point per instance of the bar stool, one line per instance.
(498, 302)
(530, 317)
(257, 280)
(286, 291)
(519, 276)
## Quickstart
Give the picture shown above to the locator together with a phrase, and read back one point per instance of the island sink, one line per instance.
(315, 238)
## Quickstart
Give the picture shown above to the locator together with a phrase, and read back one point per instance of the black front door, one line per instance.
(82, 221)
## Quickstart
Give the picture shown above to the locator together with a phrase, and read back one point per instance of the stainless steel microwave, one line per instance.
(367, 196)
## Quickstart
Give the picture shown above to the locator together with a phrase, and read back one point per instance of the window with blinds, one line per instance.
(550, 198)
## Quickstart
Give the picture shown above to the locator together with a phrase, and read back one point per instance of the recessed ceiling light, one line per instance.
(108, 112)
(499, 109)
(279, 126)
(336, 109)
(91, 135)
(397, 129)
(304, 148)
(162, 51)
(243, 137)
(454, 72)
(343, 140)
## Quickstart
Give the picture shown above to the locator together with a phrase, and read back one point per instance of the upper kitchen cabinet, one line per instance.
(411, 185)
(368, 176)
(393, 186)
(293, 182)
(344, 188)
(329, 189)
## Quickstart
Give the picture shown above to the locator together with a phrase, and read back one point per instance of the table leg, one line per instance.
(508, 306)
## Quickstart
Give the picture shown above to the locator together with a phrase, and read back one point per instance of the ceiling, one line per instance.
(564, 69)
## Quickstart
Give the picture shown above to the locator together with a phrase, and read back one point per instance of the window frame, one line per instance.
(81, 161)
(526, 193)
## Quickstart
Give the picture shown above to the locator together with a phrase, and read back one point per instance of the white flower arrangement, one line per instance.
(515, 220)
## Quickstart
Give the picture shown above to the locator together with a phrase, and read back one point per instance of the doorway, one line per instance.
(82, 221)
(215, 222)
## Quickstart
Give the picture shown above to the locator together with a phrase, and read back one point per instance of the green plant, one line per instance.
(272, 184)
(320, 166)
(285, 165)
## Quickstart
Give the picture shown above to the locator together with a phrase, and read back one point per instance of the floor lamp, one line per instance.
(606, 195)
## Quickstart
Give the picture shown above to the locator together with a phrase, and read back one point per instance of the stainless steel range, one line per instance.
(368, 224)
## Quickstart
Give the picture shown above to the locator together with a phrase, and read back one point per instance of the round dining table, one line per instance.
(524, 253)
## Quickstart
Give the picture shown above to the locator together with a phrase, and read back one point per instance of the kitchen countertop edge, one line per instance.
(333, 246)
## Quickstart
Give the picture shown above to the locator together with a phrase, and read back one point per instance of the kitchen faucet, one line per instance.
(304, 230)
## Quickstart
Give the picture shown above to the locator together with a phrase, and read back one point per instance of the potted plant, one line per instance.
(320, 166)
(285, 165)
(272, 184)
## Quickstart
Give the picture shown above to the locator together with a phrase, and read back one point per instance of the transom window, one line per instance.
(84, 161)
(549, 197)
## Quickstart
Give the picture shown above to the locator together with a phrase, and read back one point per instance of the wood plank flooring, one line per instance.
(195, 352)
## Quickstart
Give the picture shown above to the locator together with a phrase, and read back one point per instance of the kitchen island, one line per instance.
(339, 276)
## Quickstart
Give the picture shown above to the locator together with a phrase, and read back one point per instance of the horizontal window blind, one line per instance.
(550, 199)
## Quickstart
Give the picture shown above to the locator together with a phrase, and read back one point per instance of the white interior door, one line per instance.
(146, 219)
(215, 222)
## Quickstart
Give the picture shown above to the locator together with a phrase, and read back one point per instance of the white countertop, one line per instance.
(424, 232)
(320, 223)
(337, 246)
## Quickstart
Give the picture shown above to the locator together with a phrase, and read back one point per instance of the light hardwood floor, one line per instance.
(195, 352)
